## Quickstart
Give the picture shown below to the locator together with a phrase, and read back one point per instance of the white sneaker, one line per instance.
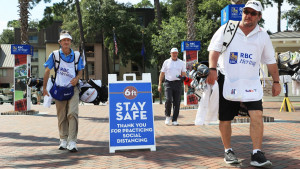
(72, 147)
(63, 144)
(167, 121)
(175, 123)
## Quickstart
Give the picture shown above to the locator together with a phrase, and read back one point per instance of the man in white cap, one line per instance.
(68, 66)
(239, 80)
(171, 68)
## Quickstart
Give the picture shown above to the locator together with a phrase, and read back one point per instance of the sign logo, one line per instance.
(21, 49)
(250, 90)
(233, 91)
(67, 94)
(224, 16)
(190, 45)
(233, 57)
(234, 10)
(130, 92)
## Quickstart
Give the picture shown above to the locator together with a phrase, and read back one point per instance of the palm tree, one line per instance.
(82, 40)
(238, 1)
(157, 12)
(24, 5)
(190, 12)
(159, 21)
(279, 4)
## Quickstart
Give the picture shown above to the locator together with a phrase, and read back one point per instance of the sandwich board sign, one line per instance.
(131, 122)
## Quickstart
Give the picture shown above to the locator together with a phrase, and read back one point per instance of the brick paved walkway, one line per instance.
(32, 141)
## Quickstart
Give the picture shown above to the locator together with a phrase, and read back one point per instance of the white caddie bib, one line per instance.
(243, 90)
(65, 73)
(241, 70)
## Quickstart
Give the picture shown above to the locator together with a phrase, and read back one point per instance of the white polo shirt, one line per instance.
(250, 50)
(173, 68)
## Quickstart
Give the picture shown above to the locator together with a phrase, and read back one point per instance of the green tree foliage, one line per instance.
(208, 23)
(171, 35)
(53, 13)
(33, 24)
(99, 18)
(144, 4)
(279, 4)
(7, 37)
(14, 24)
(293, 17)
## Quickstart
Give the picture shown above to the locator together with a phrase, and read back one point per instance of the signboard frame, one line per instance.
(118, 89)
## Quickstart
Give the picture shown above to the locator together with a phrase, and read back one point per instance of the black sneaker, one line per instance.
(259, 160)
(230, 157)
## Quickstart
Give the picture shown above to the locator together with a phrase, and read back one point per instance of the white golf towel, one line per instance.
(48, 99)
(208, 108)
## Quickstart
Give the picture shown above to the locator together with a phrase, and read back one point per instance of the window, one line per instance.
(35, 71)
(3, 72)
(33, 38)
(35, 56)
(141, 20)
(135, 69)
(91, 69)
(89, 51)
(117, 67)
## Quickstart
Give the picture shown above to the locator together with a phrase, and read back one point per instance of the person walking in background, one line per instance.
(68, 71)
(171, 68)
(239, 79)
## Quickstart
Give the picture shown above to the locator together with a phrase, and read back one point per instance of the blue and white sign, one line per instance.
(21, 50)
(232, 12)
(190, 45)
(131, 119)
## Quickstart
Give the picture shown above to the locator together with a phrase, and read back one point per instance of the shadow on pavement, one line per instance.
(170, 150)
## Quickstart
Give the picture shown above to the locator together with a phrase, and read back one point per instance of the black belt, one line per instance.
(174, 81)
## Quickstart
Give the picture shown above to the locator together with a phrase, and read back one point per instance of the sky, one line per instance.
(9, 11)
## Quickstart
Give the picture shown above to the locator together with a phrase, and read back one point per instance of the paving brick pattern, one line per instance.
(32, 141)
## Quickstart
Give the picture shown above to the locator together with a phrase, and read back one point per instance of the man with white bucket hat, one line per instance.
(239, 80)
(68, 66)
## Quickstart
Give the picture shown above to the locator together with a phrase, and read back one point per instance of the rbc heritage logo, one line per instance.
(233, 57)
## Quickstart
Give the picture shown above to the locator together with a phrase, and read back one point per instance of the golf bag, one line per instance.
(37, 82)
(93, 92)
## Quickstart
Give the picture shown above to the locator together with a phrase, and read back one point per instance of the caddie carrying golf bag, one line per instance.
(93, 92)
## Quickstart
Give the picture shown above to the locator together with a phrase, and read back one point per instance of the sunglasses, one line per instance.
(253, 13)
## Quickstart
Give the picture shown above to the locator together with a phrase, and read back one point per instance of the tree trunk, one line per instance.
(82, 41)
(105, 62)
(157, 13)
(279, 16)
(23, 5)
(239, 1)
(190, 12)
(159, 21)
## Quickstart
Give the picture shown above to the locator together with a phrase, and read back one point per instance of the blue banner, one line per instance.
(232, 12)
(190, 45)
(131, 114)
(21, 50)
